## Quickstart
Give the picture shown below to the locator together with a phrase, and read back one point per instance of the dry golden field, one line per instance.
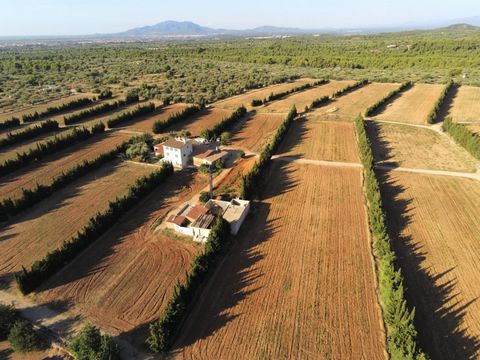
(466, 105)
(435, 225)
(299, 282)
(414, 105)
(145, 123)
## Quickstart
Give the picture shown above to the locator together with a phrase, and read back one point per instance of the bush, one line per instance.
(90, 344)
(372, 110)
(131, 115)
(8, 315)
(22, 337)
(257, 102)
(160, 125)
(433, 116)
(7, 124)
(350, 88)
(463, 136)
(204, 196)
(29, 133)
(96, 226)
(283, 94)
(399, 319)
(139, 151)
(224, 125)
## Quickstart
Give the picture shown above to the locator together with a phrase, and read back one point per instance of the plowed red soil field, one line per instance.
(414, 105)
(299, 283)
(145, 123)
(231, 183)
(435, 225)
(305, 98)
(256, 131)
(43, 228)
(309, 138)
(124, 279)
(45, 170)
(466, 105)
(349, 106)
(234, 102)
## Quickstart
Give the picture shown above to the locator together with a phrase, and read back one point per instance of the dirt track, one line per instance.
(300, 287)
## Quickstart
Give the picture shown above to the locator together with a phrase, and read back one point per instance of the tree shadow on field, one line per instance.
(439, 307)
(380, 147)
(448, 103)
(236, 277)
(390, 101)
(296, 134)
(238, 127)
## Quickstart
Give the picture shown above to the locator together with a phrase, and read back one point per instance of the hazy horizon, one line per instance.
(55, 17)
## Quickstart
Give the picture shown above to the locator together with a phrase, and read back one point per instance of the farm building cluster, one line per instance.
(197, 220)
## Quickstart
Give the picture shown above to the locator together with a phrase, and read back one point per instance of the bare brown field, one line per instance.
(245, 99)
(321, 140)
(349, 106)
(415, 147)
(305, 98)
(256, 131)
(466, 105)
(232, 181)
(145, 124)
(435, 225)
(414, 105)
(7, 353)
(31, 235)
(11, 151)
(299, 282)
(123, 281)
(205, 119)
(45, 170)
(41, 107)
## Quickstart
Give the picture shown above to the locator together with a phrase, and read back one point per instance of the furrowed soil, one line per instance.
(145, 123)
(349, 106)
(309, 138)
(415, 147)
(306, 97)
(28, 237)
(299, 281)
(435, 226)
(256, 131)
(52, 166)
(466, 105)
(414, 105)
(234, 102)
(122, 282)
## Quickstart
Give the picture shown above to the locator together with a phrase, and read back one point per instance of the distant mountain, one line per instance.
(169, 28)
(461, 27)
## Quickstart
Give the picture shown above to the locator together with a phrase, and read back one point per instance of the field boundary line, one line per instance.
(293, 159)
(474, 176)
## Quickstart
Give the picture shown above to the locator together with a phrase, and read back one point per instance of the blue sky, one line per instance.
(71, 17)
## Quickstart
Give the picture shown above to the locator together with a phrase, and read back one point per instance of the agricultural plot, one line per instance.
(44, 171)
(43, 228)
(145, 123)
(11, 151)
(122, 282)
(349, 106)
(414, 147)
(309, 138)
(231, 183)
(305, 98)
(414, 105)
(256, 131)
(299, 282)
(435, 225)
(234, 102)
(466, 105)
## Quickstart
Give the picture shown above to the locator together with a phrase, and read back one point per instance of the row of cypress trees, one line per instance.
(162, 331)
(280, 95)
(225, 124)
(251, 181)
(29, 279)
(53, 110)
(160, 125)
(374, 109)
(29, 133)
(463, 136)
(350, 88)
(10, 123)
(131, 115)
(398, 317)
(433, 116)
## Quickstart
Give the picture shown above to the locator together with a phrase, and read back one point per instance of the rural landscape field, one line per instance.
(177, 191)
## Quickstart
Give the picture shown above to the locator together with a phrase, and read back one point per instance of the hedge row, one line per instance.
(74, 104)
(225, 124)
(49, 147)
(280, 95)
(41, 270)
(130, 115)
(372, 110)
(463, 136)
(432, 117)
(349, 88)
(162, 331)
(160, 125)
(251, 181)
(97, 110)
(11, 207)
(401, 332)
(29, 133)
(7, 124)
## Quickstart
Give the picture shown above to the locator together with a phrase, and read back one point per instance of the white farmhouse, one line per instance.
(178, 151)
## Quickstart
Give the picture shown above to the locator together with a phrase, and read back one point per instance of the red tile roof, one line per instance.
(196, 211)
(177, 220)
